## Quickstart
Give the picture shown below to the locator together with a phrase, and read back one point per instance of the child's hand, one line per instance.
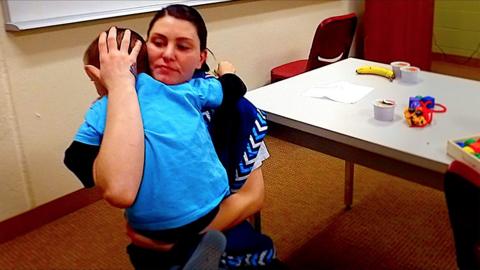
(224, 67)
(116, 63)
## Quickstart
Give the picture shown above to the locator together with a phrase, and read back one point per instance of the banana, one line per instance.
(381, 71)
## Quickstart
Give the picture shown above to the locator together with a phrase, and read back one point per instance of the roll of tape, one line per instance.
(384, 109)
(410, 74)
(396, 68)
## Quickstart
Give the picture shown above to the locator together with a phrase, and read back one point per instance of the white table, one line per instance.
(349, 131)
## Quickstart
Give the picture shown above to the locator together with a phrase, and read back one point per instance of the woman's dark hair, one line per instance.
(187, 13)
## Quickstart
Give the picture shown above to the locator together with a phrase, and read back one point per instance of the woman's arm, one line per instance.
(118, 167)
(249, 199)
(241, 205)
(233, 210)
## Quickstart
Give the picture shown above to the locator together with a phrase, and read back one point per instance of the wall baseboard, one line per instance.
(46, 213)
(474, 62)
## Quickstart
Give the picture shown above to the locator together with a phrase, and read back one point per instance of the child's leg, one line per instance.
(208, 252)
(186, 238)
(193, 252)
(146, 259)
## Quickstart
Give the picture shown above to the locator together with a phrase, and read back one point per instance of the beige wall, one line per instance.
(44, 92)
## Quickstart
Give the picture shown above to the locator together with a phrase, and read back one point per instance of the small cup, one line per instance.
(410, 74)
(396, 68)
(384, 109)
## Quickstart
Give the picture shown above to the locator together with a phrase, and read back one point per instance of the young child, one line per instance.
(91, 58)
(180, 158)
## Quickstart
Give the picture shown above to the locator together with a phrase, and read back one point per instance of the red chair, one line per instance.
(462, 193)
(331, 43)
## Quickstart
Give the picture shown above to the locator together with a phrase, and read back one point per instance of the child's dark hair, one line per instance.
(186, 13)
(92, 55)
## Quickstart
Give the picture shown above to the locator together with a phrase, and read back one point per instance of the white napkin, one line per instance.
(339, 91)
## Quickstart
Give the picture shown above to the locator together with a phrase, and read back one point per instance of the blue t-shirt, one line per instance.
(183, 178)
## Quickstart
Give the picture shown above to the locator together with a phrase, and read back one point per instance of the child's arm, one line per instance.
(232, 86)
(224, 125)
(79, 158)
(81, 154)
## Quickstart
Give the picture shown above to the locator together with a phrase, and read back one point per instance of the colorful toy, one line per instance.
(471, 146)
(466, 150)
(469, 141)
(417, 117)
(475, 146)
(420, 111)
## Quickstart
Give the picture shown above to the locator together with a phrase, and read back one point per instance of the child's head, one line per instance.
(91, 57)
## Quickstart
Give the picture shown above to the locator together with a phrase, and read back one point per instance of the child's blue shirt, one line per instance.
(183, 178)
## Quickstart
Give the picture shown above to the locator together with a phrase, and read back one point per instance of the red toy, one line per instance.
(420, 111)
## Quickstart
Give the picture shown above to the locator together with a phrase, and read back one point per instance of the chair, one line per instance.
(462, 192)
(331, 43)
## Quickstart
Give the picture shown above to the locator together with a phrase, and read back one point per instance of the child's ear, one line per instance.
(92, 72)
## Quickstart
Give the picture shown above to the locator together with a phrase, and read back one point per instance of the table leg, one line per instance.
(348, 196)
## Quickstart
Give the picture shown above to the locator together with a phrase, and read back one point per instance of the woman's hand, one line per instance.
(118, 167)
(116, 63)
(224, 67)
(145, 242)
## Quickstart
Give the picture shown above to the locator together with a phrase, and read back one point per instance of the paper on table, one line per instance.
(339, 91)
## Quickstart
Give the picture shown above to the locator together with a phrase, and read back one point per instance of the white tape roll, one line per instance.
(396, 68)
(410, 74)
(384, 109)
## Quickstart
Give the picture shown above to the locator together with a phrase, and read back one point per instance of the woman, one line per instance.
(177, 48)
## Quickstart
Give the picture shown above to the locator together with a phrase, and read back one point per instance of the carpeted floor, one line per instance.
(90, 238)
(394, 224)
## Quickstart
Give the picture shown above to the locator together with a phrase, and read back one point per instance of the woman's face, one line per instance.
(174, 50)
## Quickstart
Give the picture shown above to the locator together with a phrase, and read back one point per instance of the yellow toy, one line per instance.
(417, 117)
